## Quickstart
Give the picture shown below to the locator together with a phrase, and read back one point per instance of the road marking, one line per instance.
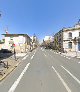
(79, 62)
(61, 55)
(34, 52)
(25, 57)
(68, 58)
(71, 74)
(63, 82)
(13, 87)
(51, 50)
(32, 57)
(44, 55)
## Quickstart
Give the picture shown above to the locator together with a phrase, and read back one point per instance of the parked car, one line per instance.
(5, 51)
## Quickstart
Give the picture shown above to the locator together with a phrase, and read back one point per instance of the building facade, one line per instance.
(68, 39)
(21, 42)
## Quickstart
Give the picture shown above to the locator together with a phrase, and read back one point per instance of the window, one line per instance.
(70, 35)
(70, 45)
(11, 38)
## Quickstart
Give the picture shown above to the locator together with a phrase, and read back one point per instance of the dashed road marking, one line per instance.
(13, 87)
(25, 57)
(78, 81)
(63, 82)
(61, 55)
(34, 52)
(44, 55)
(32, 57)
(67, 57)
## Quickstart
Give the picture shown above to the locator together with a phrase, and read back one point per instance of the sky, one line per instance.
(42, 17)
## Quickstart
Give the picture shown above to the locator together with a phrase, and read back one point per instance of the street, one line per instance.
(44, 71)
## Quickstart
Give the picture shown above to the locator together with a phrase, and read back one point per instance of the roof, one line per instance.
(15, 35)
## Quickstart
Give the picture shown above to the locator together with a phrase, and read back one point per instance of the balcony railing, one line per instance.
(70, 38)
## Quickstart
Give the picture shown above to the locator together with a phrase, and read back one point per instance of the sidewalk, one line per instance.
(72, 54)
(12, 64)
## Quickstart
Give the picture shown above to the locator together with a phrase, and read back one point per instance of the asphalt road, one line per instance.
(44, 71)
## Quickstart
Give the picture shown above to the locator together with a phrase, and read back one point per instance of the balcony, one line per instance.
(69, 38)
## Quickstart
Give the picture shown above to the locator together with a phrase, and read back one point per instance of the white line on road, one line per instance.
(32, 57)
(71, 74)
(63, 82)
(34, 52)
(44, 55)
(25, 57)
(61, 55)
(13, 87)
(67, 57)
(79, 62)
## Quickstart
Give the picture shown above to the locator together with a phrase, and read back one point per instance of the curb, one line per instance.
(5, 75)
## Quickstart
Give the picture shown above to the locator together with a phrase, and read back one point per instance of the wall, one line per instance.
(75, 33)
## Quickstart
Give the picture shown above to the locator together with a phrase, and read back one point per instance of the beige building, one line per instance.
(68, 38)
(35, 42)
(21, 42)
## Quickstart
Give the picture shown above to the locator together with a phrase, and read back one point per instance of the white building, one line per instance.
(21, 42)
(48, 38)
(66, 38)
(69, 35)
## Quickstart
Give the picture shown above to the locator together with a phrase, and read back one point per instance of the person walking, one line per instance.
(14, 54)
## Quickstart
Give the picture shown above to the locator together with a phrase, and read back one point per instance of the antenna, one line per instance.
(6, 30)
